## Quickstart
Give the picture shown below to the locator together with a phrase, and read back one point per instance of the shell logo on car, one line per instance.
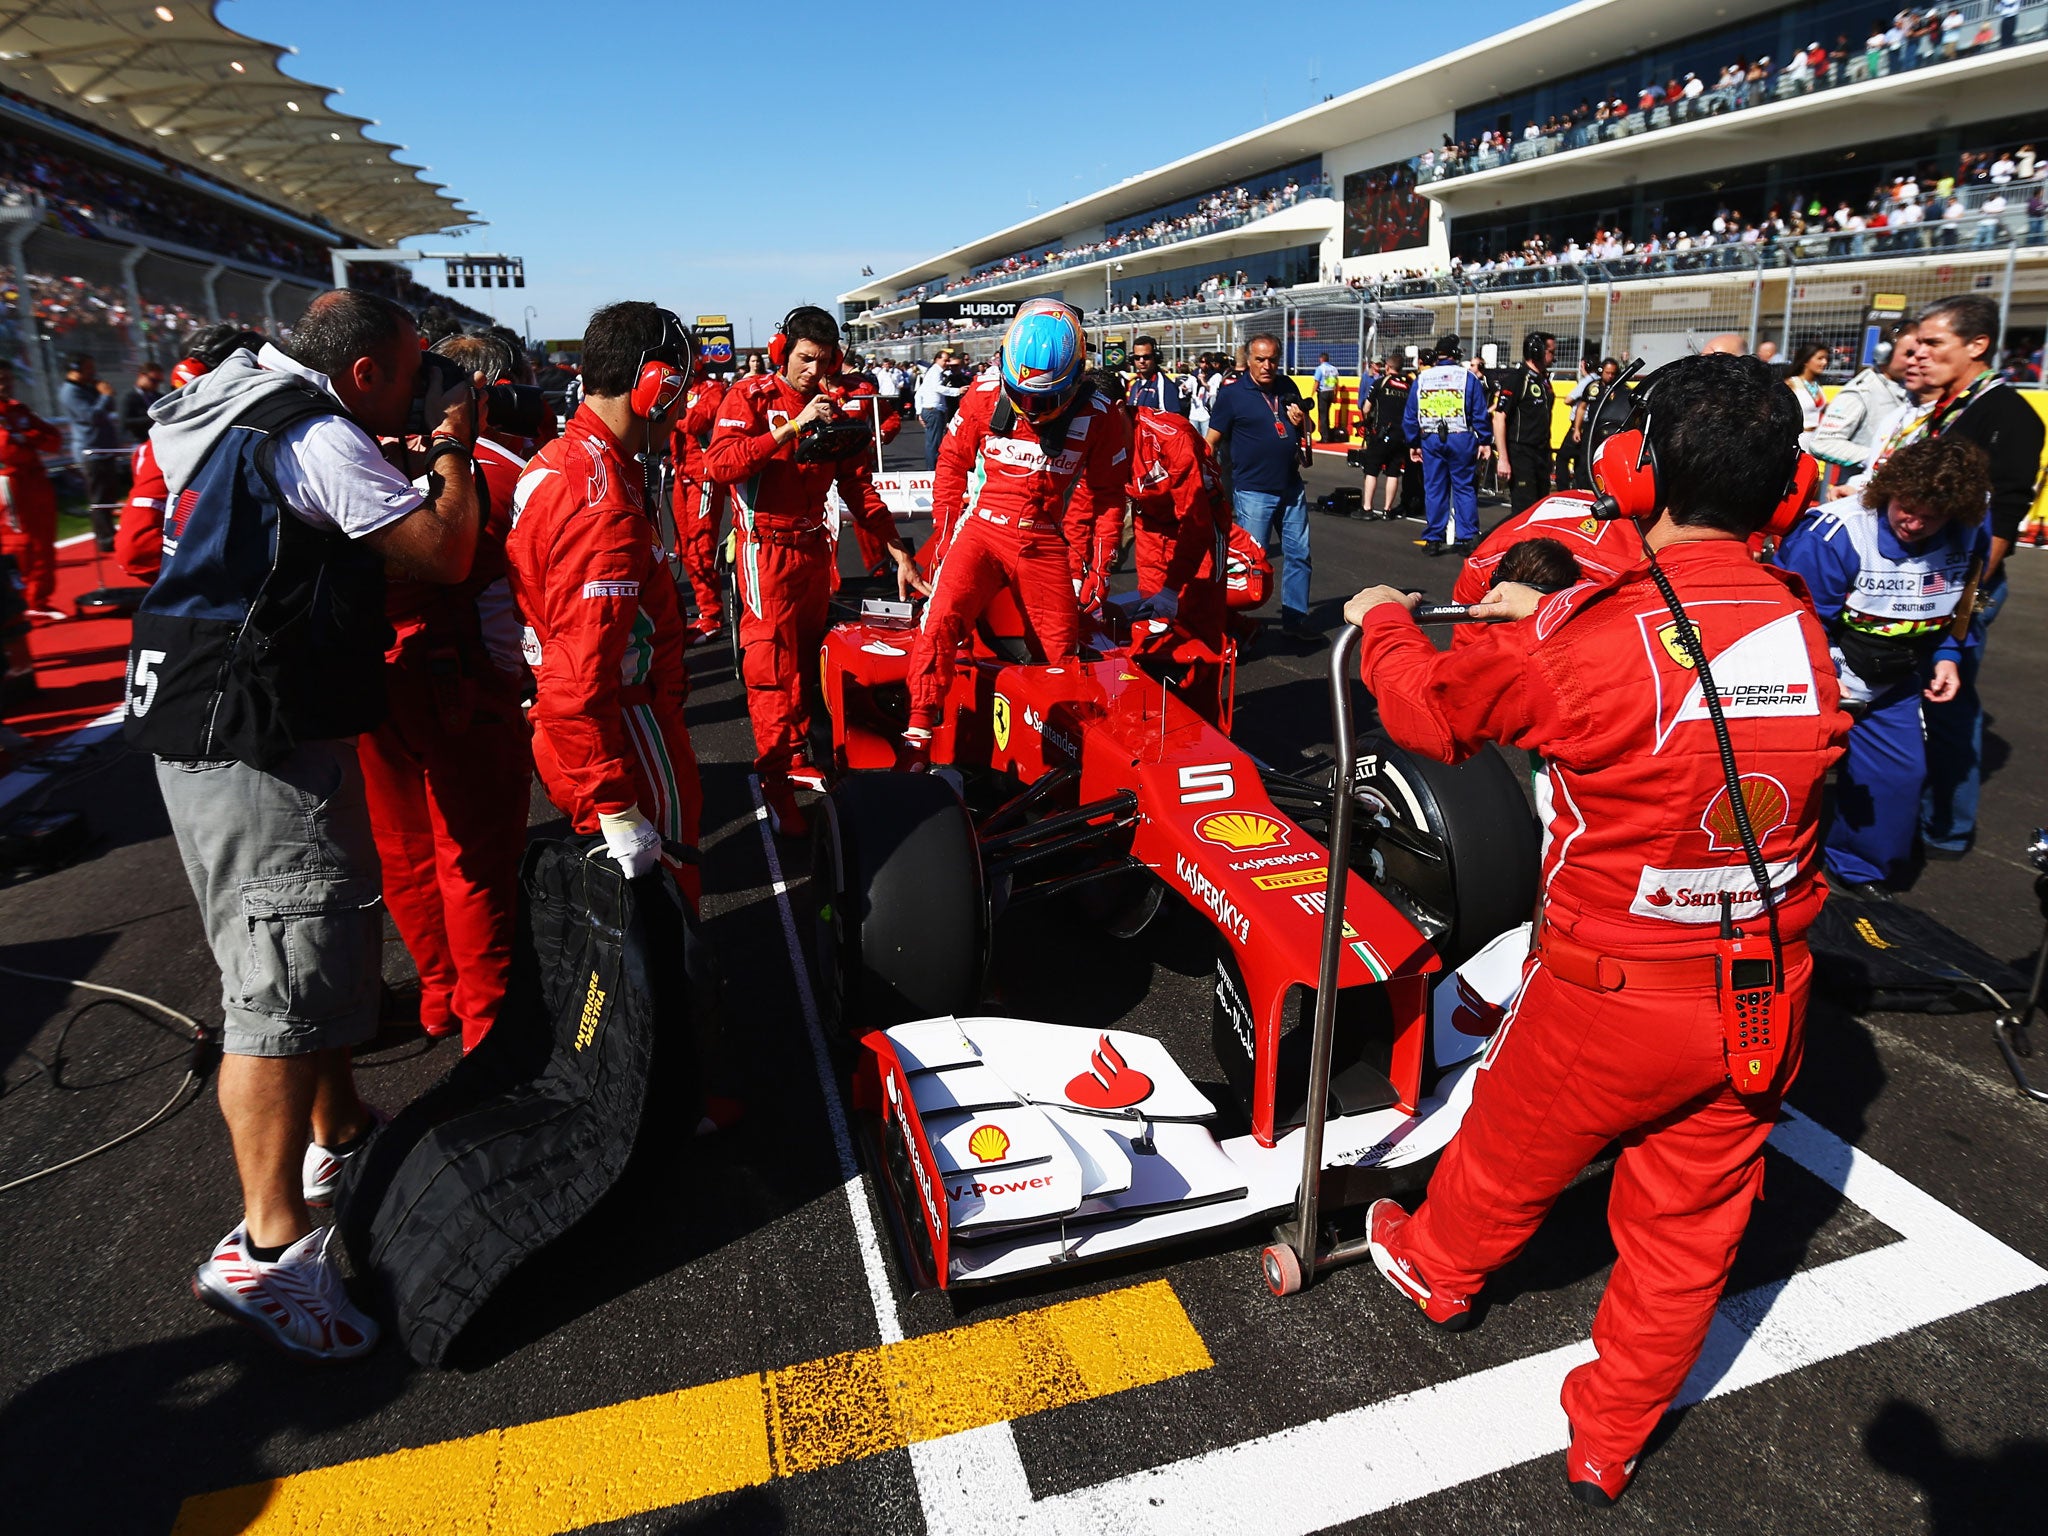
(989, 1143)
(1241, 831)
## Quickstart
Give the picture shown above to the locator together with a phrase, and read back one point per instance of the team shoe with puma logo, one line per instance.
(1596, 1484)
(1383, 1224)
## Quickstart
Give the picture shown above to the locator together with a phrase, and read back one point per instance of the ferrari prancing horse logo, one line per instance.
(1000, 716)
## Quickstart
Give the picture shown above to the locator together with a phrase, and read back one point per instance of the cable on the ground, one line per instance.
(205, 1055)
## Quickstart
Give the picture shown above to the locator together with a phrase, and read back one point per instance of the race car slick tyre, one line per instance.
(1486, 882)
(903, 917)
(1281, 1266)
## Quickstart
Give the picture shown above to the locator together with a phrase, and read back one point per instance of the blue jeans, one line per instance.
(1256, 512)
(1955, 749)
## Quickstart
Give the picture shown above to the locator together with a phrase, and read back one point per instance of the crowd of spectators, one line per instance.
(1993, 197)
(1912, 38)
(1221, 210)
(33, 171)
(75, 312)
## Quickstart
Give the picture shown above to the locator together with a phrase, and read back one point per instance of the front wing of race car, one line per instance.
(1010, 1146)
(1192, 808)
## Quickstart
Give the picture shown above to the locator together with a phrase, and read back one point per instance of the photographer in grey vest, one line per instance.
(257, 658)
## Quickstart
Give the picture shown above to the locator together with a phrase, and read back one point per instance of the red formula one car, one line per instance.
(1363, 985)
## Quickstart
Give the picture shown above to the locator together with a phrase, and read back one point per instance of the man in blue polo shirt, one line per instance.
(1263, 418)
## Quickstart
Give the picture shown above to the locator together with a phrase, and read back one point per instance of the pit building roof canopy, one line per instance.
(197, 92)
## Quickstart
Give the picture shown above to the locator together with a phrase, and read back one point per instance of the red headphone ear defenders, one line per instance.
(665, 368)
(1625, 476)
(779, 343)
(1624, 472)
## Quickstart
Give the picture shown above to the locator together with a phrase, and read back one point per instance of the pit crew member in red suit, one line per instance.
(448, 770)
(1617, 1033)
(139, 541)
(1181, 523)
(1030, 480)
(699, 504)
(1603, 548)
(28, 502)
(603, 631)
(785, 554)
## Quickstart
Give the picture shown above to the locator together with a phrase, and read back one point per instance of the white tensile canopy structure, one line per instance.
(197, 92)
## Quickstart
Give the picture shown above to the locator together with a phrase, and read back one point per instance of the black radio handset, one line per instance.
(1755, 1008)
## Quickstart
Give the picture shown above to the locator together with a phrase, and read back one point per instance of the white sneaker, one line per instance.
(297, 1303)
(322, 1169)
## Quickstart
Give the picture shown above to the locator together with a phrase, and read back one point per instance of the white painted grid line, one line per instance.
(872, 1262)
(1384, 1454)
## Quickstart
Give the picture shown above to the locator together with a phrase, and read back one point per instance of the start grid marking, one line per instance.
(1420, 1443)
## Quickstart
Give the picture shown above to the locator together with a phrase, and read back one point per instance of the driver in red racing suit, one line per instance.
(1029, 494)
(699, 503)
(1618, 1034)
(603, 627)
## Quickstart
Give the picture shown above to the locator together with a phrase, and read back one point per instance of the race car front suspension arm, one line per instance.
(1062, 832)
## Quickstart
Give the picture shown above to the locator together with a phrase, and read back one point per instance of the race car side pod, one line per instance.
(2010, 1029)
(1296, 1252)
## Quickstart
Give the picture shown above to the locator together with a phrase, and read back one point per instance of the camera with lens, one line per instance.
(519, 409)
(957, 375)
(435, 371)
(835, 437)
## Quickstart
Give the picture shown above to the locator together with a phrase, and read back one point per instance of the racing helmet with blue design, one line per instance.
(1045, 359)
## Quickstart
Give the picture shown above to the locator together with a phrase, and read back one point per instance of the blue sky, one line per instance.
(683, 152)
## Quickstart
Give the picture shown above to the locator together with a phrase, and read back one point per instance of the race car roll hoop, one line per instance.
(1357, 973)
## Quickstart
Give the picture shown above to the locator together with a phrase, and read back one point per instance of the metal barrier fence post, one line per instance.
(1756, 303)
(1585, 311)
(2012, 256)
(1791, 287)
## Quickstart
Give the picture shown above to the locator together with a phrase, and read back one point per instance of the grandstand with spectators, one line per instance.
(160, 172)
(1634, 176)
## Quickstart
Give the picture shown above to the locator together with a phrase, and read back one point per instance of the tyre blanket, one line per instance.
(529, 1130)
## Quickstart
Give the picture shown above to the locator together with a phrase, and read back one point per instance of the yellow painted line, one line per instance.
(653, 1453)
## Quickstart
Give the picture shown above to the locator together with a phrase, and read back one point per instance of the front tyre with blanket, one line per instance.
(1463, 846)
(903, 916)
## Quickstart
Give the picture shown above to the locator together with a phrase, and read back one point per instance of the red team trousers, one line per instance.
(699, 506)
(785, 585)
(448, 799)
(1572, 1070)
(983, 558)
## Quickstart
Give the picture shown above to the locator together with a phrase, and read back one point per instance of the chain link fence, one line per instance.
(118, 302)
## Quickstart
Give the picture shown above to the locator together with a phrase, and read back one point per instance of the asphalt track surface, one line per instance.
(1882, 1370)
